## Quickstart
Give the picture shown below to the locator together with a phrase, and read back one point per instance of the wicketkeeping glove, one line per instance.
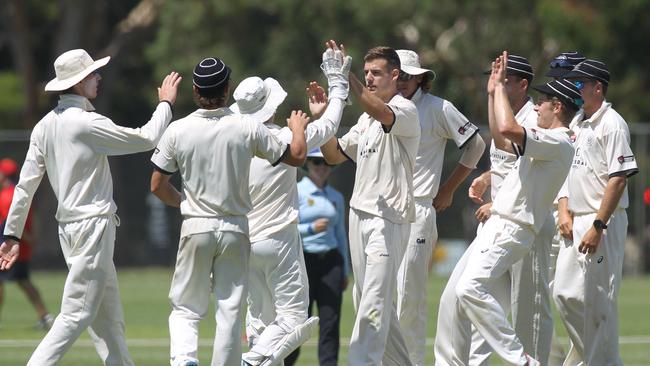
(336, 69)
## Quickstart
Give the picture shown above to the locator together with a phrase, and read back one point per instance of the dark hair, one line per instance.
(212, 98)
(427, 82)
(385, 53)
(568, 110)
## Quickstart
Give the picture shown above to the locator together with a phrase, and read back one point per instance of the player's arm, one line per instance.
(506, 127)
(296, 153)
(372, 104)
(331, 152)
(613, 192)
(564, 218)
(479, 186)
(164, 189)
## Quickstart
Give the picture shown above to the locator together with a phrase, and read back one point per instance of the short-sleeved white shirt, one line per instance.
(502, 162)
(213, 149)
(439, 121)
(385, 162)
(602, 151)
(528, 191)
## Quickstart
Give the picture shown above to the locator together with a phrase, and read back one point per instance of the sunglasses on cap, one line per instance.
(404, 76)
(563, 63)
(580, 84)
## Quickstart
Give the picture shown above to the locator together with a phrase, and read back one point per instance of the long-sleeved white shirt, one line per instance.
(273, 189)
(71, 144)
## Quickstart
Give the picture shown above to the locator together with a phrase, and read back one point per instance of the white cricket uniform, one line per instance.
(381, 209)
(519, 212)
(440, 121)
(213, 150)
(586, 286)
(278, 295)
(71, 145)
(524, 291)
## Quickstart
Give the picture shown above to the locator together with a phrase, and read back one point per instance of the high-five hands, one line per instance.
(336, 67)
(317, 99)
(169, 87)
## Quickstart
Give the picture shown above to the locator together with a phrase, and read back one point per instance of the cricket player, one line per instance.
(384, 144)
(278, 295)
(518, 213)
(528, 297)
(212, 148)
(440, 121)
(558, 67)
(589, 269)
(71, 144)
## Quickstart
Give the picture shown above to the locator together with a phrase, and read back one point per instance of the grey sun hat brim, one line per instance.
(64, 84)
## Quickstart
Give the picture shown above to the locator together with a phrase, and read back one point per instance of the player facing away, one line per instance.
(440, 122)
(71, 144)
(278, 295)
(212, 149)
(589, 269)
(518, 213)
(384, 144)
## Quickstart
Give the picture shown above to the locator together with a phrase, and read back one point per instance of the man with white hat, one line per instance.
(384, 144)
(212, 149)
(589, 269)
(71, 144)
(440, 121)
(278, 295)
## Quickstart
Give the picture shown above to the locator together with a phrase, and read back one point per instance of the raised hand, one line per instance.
(168, 90)
(297, 121)
(336, 67)
(317, 99)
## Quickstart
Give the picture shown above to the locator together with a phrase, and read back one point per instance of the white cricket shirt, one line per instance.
(385, 162)
(439, 121)
(273, 189)
(502, 162)
(602, 151)
(528, 191)
(213, 150)
(71, 144)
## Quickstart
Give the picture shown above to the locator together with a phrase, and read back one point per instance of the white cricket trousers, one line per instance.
(586, 292)
(500, 244)
(91, 298)
(412, 280)
(278, 293)
(376, 252)
(210, 263)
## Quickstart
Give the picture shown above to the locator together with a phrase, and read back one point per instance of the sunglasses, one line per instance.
(404, 76)
(580, 84)
(318, 161)
(561, 63)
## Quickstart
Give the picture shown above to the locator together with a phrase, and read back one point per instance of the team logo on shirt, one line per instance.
(310, 202)
(600, 259)
(484, 250)
(535, 136)
(625, 159)
(420, 240)
(156, 150)
(464, 128)
(366, 152)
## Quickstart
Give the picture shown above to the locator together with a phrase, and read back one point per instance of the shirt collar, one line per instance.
(417, 95)
(212, 113)
(75, 100)
(524, 110)
(596, 116)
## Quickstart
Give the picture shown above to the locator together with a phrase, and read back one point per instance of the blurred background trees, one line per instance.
(284, 39)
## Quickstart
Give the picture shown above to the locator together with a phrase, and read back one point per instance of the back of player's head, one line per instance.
(211, 78)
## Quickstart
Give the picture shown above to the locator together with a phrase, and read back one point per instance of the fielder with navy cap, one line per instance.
(563, 63)
(212, 149)
(519, 212)
(589, 270)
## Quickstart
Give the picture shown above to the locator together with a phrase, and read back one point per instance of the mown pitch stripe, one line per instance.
(164, 342)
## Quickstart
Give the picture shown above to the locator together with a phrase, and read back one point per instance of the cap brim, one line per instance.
(557, 72)
(276, 97)
(544, 89)
(60, 85)
(412, 70)
(573, 74)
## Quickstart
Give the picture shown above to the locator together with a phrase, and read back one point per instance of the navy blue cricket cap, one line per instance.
(210, 75)
(590, 69)
(517, 65)
(563, 63)
(562, 89)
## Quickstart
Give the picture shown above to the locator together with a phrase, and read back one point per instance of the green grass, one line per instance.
(144, 296)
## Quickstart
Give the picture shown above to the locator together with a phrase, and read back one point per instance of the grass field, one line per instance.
(144, 296)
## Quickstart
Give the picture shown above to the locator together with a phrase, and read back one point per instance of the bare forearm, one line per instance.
(507, 126)
(167, 193)
(297, 149)
(371, 104)
(331, 152)
(613, 192)
(457, 177)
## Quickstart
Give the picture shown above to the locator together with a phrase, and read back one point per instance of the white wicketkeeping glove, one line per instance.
(336, 69)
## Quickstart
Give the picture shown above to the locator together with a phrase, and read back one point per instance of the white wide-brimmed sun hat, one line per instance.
(72, 67)
(410, 63)
(258, 98)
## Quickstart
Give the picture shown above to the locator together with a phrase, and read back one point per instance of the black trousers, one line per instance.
(325, 273)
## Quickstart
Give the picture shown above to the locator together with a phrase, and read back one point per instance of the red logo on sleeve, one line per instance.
(625, 159)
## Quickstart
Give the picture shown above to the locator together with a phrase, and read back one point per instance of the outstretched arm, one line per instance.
(506, 125)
